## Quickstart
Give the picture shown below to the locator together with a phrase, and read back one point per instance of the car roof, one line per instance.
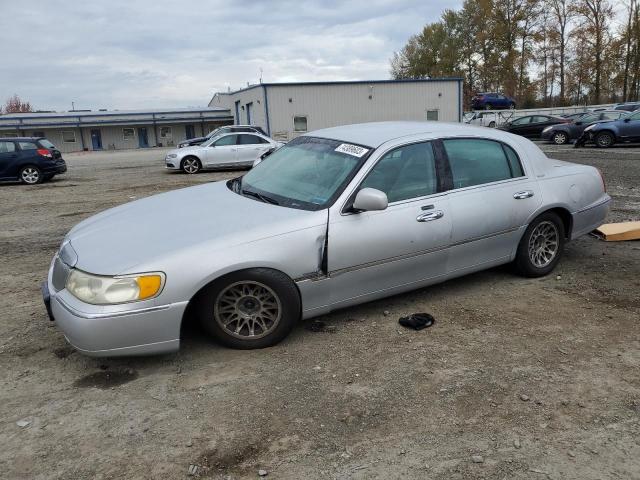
(22, 139)
(375, 134)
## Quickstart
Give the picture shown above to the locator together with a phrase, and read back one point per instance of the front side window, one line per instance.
(635, 116)
(480, 161)
(404, 173)
(7, 147)
(539, 119)
(68, 136)
(27, 146)
(299, 124)
(307, 173)
(521, 121)
(226, 140)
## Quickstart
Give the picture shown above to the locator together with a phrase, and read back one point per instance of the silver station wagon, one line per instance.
(335, 218)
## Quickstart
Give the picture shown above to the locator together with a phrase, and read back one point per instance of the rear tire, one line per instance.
(604, 139)
(541, 246)
(190, 165)
(512, 106)
(254, 308)
(492, 124)
(30, 175)
(560, 138)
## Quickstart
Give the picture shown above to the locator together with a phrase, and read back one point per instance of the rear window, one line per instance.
(44, 143)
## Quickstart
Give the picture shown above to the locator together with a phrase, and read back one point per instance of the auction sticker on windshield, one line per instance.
(349, 149)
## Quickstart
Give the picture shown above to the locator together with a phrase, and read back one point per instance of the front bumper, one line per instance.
(172, 163)
(114, 330)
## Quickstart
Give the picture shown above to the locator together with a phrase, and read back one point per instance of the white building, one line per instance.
(114, 130)
(286, 110)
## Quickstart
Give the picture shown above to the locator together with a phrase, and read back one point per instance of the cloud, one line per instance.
(146, 53)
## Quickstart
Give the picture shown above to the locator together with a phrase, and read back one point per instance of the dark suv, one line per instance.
(219, 131)
(30, 160)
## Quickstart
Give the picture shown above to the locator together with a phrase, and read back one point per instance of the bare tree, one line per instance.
(562, 12)
(15, 104)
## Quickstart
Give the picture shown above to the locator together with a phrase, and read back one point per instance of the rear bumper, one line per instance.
(59, 167)
(591, 217)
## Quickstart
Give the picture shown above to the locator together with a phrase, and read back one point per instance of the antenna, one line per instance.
(260, 74)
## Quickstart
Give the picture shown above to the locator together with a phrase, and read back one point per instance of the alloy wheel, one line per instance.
(30, 175)
(560, 138)
(543, 244)
(247, 310)
(604, 140)
(190, 165)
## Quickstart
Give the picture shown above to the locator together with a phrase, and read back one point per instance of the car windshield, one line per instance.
(214, 133)
(307, 173)
(590, 118)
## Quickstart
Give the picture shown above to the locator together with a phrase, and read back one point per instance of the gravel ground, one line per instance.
(518, 379)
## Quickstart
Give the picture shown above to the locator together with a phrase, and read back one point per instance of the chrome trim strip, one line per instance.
(416, 254)
(91, 316)
(596, 205)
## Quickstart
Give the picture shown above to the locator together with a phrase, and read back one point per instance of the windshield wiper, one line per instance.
(259, 196)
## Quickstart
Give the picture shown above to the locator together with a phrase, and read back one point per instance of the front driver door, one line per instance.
(223, 151)
(396, 248)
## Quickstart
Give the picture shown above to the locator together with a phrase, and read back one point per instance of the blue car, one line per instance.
(492, 101)
(607, 133)
(29, 160)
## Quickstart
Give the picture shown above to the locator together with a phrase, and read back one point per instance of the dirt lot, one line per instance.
(518, 379)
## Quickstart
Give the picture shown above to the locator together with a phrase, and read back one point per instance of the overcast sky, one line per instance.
(152, 53)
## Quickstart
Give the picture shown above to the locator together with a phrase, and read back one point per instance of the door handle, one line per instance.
(522, 195)
(430, 216)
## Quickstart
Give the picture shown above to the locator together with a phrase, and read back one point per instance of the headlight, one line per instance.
(590, 127)
(172, 155)
(547, 129)
(100, 290)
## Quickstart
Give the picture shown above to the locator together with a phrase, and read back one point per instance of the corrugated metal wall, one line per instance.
(333, 105)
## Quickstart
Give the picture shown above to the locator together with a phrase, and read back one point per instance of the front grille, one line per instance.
(60, 274)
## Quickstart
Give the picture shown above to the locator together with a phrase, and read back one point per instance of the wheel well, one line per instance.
(186, 316)
(611, 132)
(567, 219)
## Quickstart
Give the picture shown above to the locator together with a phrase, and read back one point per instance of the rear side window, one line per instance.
(250, 140)
(28, 146)
(479, 161)
(404, 173)
(7, 147)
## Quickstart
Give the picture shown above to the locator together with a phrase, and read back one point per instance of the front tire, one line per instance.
(30, 175)
(254, 308)
(560, 138)
(605, 139)
(190, 165)
(541, 246)
(492, 124)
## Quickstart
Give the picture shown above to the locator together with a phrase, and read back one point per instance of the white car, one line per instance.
(229, 150)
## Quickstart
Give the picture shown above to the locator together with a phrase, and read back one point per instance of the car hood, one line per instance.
(145, 231)
(193, 140)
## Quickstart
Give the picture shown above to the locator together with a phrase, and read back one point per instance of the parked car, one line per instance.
(628, 107)
(574, 116)
(532, 126)
(334, 218)
(226, 150)
(485, 119)
(29, 160)
(567, 132)
(219, 131)
(492, 101)
(605, 134)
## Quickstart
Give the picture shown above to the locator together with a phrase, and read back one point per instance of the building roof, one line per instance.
(341, 82)
(89, 118)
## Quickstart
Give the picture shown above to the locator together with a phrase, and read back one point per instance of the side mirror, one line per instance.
(627, 120)
(257, 161)
(370, 199)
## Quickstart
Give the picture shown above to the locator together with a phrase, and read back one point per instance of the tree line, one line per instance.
(542, 52)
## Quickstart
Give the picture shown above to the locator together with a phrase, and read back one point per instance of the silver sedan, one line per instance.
(335, 218)
(220, 151)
